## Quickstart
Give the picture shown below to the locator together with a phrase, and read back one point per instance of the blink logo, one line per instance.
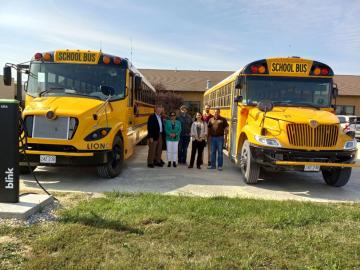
(9, 178)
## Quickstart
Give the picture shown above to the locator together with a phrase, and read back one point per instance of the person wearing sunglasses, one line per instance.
(172, 130)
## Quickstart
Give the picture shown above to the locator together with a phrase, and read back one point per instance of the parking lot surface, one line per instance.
(136, 177)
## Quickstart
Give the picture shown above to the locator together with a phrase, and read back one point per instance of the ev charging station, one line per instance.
(12, 205)
(9, 143)
(9, 151)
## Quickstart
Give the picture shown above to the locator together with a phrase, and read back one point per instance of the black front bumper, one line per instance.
(99, 158)
(268, 156)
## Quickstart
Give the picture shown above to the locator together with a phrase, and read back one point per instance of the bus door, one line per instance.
(233, 127)
(131, 131)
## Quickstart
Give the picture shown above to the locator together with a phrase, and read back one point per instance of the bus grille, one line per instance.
(61, 128)
(305, 135)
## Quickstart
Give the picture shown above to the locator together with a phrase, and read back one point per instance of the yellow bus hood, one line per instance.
(302, 115)
(69, 106)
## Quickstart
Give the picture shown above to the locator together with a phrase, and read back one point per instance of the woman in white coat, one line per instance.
(198, 135)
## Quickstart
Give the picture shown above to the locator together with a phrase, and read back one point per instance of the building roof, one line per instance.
(193, 80)
(184, 80)
(348, 85)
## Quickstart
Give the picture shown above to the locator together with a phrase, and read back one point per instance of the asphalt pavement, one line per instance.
(136, 177)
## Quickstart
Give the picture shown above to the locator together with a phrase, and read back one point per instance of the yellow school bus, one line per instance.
(281, 117)
(84, 108)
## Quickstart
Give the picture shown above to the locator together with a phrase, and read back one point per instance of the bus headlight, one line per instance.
(350, 145)
(268, 141)
(97, 134)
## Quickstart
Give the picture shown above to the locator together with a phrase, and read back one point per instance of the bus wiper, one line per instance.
(291, 103)
(307, 105)
(49, 89)
(83, 95)
(282, 103)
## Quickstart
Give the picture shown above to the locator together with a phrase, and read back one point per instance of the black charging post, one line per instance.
(9, 151)
(9, 138)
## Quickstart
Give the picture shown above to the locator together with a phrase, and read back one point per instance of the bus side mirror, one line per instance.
(107, 90)
(335, 91)
(138, 82)
(7, 75)
(238, 99)
(239, 82)
(265, 105)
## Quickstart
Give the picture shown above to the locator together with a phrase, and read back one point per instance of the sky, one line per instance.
(180, 34)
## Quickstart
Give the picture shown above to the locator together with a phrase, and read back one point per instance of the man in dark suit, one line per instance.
(156, 131)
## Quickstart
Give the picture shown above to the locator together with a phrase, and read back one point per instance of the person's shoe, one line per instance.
(219, 168)
(199, 167)
(162, 162)
(150, 165)
(190, 167)
(174, 164)
(211, 168)
(169, 164)
(158, 164)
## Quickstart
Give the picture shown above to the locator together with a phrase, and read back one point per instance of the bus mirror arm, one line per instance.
(335, 91)
(264, 106)
(109, 91)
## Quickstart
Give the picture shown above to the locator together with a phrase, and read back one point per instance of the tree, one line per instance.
(169, 99)
(159, 86)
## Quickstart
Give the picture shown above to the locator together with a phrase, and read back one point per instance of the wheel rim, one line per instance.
(116, 156)
(244, 160)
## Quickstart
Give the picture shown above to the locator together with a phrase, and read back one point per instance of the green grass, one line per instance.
(147, 231)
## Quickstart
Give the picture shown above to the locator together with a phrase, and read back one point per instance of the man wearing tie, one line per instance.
(155, 127)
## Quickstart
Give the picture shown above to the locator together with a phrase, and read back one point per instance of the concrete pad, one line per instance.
(29, 204)
(137, 177)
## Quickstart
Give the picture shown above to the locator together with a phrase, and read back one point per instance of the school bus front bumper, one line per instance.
(39, 158)
(284, 159)
(321, 164)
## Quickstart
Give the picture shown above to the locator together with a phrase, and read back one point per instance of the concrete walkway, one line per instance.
(136, 177)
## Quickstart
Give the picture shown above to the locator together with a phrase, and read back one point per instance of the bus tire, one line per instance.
(26, 169)
(337, 177)
(114, 165)
(250, 170)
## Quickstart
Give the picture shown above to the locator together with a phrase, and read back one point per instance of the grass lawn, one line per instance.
(147, 231)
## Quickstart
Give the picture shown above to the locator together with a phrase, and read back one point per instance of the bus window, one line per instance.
(131, 91)
(61, 80)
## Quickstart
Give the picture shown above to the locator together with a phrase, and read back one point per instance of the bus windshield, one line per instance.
(54, 79)
(289, 91)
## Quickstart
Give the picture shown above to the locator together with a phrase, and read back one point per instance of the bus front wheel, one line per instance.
(114, 165)
(250, 170)
(336, 177)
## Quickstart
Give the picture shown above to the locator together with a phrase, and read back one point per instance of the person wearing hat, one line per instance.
(186, 122)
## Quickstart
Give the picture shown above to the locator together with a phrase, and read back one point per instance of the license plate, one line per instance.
(47, 159)
(312, 168)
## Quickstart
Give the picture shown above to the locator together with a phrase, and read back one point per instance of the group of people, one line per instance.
(178, 130)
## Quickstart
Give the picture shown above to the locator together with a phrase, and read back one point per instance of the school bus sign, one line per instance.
(76, 57)
(289, 67)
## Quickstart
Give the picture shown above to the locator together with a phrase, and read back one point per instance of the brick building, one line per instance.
(190, 84)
